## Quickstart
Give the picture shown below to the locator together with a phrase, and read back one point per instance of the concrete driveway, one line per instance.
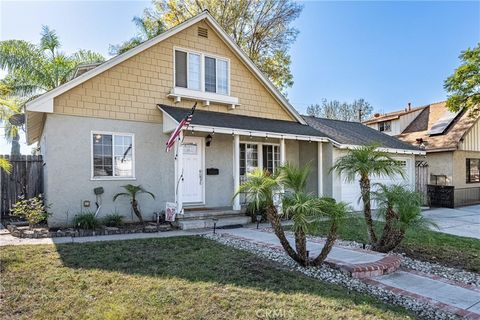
(463, 221)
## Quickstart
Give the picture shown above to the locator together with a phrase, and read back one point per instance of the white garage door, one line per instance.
(350, 191)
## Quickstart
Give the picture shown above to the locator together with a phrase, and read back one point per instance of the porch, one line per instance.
(218, 150)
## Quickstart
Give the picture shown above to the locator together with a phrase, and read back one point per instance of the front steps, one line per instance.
(201, 219)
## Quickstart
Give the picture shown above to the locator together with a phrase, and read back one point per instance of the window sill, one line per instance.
(206, 97)
(113, 179)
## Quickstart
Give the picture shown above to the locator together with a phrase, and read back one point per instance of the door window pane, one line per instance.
(210, 75)
(194, 71)
(222, 77)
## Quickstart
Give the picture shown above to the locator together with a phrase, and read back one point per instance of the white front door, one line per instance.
(193, 172)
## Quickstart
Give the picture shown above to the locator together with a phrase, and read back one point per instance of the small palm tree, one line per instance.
(401, 210)
(363, 163)
(132, 192)
(306, 211)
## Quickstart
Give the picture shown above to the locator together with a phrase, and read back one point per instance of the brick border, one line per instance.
(385, 265)
(437, 304)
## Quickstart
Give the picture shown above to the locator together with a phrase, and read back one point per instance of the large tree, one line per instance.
(33, 69)
(36, 68)
(358, 110)
(261, 28)
(463, 86)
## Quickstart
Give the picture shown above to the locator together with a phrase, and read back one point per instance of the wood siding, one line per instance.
(131, 90)
(471, 141)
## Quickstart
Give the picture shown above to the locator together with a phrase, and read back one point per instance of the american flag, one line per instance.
(184, 123)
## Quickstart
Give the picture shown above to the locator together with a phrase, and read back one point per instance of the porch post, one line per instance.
(320, 168)
(282, 152)
(236, 170)
(179, 174)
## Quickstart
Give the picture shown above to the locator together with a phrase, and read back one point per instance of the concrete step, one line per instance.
(189, 224)
(202, 214)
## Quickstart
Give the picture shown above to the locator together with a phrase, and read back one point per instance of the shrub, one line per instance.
(112, 220)
(32, 209)
(86, 221)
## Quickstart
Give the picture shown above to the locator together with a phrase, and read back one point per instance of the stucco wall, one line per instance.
(67, 151)
(308, 154)
(131, 90)
(440, 163)
(460, 168)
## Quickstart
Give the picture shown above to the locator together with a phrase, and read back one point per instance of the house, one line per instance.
(452, 143)
(108, 127)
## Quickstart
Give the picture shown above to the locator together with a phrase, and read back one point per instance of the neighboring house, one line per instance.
(452, 143)
(108, 127)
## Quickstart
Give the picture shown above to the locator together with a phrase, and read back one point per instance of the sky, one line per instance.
(389, 53)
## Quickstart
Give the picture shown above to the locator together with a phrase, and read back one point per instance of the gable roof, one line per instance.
(240, 122)
(449, 139)
(44, 103)
(355, 133)
(392, 115)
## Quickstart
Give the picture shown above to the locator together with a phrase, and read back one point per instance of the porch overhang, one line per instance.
(227, 123)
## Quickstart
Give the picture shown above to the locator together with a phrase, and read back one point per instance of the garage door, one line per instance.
(350, 191)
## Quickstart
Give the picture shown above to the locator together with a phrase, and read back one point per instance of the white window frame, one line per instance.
(383, 123)
(202, 70)
(113, 177)
(259, 153)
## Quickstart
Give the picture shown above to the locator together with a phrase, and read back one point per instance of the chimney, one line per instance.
(409, 106)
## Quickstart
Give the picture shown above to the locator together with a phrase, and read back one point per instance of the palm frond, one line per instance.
(5, 165)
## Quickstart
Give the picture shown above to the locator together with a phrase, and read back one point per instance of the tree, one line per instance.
(132, 193)
(359, 110)
(362, 163)
(5, 165)
(262, 29)
(463, 86)
(10, 106)
(401, 210)
(34, 69)
(306, 210)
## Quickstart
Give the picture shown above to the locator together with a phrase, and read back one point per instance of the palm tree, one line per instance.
(132, 192)
(11, 106)
(5, 165)
(306, 210)
(401, 209)
(34, 69)
(362, 163)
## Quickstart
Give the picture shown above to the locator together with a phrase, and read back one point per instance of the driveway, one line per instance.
(463, 221)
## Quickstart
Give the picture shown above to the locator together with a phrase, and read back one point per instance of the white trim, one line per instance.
(320, 169)
(191, 94)
(113, 177)
(236, 171)
(36, 104)
(389, 150)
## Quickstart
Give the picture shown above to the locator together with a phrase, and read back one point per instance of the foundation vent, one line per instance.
(202, 32)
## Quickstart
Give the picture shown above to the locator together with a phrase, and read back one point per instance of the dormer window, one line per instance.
(385, 126)
(202, 77)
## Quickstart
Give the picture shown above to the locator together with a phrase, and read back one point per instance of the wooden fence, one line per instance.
(25, 179)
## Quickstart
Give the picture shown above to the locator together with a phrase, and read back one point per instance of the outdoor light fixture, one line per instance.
(259, 218)
(214, 224)
(208, 140)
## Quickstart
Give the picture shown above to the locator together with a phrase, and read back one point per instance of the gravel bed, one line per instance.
(454, 274)
(330, 275)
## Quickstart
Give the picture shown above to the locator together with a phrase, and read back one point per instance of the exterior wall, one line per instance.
(308, 154)
(440, 163)
(67, 152)
(350, 191)
(460, 168)
(131, 90)
(471, 141)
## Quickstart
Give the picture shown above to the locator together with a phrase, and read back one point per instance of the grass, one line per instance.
(426, 245)
(185, 278)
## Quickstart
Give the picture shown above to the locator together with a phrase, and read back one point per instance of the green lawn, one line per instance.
(424, 245)
(186, 278)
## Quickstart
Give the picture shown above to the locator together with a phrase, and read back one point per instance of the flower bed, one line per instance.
(45, 232)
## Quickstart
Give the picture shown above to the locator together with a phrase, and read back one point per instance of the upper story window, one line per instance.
(112, 155)
(385, 126)
(202, 72)
(473, 170)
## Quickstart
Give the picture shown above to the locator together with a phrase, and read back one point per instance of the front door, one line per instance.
(193, 173)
